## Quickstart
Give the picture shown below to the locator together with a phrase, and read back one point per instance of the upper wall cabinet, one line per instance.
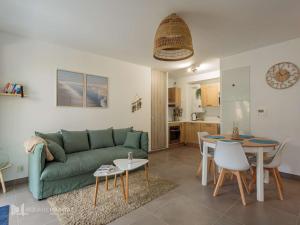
(174, 97)
(210, 94)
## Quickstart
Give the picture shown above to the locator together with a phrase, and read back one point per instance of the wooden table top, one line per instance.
(246, 142)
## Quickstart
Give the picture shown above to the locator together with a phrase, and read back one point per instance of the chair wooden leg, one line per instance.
(214, 172)
(2, 182)
(240, 183)
(279, 178)
(253, 181)
(209, 164)
(220, 180)
(223, 178)
(243, 176)
(199, 169)
(277, 184)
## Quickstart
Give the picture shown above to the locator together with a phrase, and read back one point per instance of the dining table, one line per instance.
(250, 144)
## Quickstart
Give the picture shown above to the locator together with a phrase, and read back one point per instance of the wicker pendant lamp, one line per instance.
(173, 40)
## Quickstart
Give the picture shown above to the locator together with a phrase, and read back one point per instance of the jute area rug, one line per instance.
(76, 207)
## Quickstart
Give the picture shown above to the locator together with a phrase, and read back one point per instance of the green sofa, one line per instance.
(50, 178)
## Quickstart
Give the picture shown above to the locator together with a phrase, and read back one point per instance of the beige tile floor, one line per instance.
(188, 204)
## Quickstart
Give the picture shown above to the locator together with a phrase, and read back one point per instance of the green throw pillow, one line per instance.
(133, 140)
(101, 138)
(120, 135)
(144, 141)
(56, 137)
(75, 141)
(57, 151)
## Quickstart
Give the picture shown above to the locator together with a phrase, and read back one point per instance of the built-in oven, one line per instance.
(174, 134)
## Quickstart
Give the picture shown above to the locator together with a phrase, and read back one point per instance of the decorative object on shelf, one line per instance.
(136, 104)
(282, 75)
(81, 90)
(173, 40)
(235, 132)
(177, 113)
(12, 89)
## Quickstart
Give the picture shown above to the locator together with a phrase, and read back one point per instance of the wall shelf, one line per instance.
(14, 95)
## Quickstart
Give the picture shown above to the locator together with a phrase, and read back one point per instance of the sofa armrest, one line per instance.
(144, 141)
(37, 160)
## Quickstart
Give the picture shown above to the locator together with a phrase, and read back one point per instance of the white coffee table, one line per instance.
(115, 173)
(126, 165)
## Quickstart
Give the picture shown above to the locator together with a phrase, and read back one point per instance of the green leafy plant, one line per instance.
(198, 93)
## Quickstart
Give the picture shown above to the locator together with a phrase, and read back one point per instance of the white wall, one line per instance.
(283, 108)
(34, 64)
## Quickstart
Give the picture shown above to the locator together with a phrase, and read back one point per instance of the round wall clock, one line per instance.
(282, 75)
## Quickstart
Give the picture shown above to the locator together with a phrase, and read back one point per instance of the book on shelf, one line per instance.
(13, 88)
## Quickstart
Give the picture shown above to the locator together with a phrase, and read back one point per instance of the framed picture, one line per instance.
(96, 91)
(81, 90)
(70, 88)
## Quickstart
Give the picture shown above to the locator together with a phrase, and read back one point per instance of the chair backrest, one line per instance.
(200, 135)
(276, 161)
(231, 155)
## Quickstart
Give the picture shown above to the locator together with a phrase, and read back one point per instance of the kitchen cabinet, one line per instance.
(191, 129)
(211, 128)
(174, 98)
(210, 94)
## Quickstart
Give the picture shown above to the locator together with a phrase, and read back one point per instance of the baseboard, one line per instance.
(22, 180)
(192, 145)
(158, 150)
(290, 176)
(176, 145)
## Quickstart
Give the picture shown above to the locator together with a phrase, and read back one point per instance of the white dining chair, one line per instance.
(271, 163)
(231, 158)
(210, 157)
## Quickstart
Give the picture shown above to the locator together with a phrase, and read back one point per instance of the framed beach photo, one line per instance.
(96, 91)
(70, 89)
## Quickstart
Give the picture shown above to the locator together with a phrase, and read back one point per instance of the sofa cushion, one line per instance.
(144, 141)
(101, 138)
(57, 151)
(56, 137)
(75, 141)
(120, 135)
(87, 162)
(132, 140)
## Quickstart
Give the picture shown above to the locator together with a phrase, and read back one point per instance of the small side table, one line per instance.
(115, 173)
(1, 177)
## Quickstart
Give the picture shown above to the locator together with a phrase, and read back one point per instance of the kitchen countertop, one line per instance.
(196, 121)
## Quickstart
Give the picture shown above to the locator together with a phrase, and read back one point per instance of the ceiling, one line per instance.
(126, 29)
